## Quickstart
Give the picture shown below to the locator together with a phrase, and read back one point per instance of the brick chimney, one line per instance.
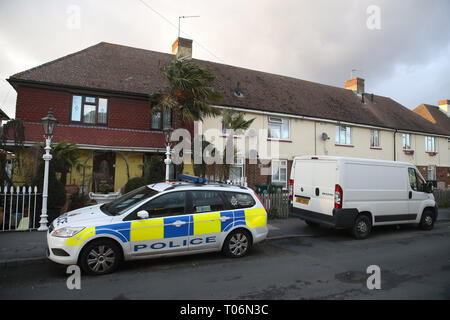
(444, 106)
(355, 84)
(182, 48)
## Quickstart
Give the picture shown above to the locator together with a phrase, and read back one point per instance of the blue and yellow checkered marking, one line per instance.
(163, 228)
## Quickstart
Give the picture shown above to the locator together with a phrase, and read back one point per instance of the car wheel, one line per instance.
(427, 220)
(362, 227)
(237, 244)
(100, 257)
(312, 224)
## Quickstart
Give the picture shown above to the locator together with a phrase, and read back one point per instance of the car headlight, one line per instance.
(66, 232)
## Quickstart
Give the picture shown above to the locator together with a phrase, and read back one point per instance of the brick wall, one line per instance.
(123, 113)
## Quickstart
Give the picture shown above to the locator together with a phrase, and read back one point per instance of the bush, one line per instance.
(56, 190)
(78, 200)
(135, 183)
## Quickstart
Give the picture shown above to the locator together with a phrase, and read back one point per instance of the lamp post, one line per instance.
(49, 123)
(167, 134)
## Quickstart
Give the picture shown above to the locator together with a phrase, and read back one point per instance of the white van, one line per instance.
(357, 194)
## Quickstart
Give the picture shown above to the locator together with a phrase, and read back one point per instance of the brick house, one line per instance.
(100, 97)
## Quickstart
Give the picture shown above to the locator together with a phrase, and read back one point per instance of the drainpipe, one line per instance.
(395, 146)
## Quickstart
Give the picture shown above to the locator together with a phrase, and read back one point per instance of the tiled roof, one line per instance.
(123, 69)
(434, 115)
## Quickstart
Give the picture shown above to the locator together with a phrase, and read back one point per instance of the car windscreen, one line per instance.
(123, 203)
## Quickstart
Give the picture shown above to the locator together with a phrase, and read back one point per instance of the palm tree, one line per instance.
(189, 96)
(65, 156)
(190, 92)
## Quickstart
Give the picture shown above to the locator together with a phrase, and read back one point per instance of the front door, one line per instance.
(104, 167)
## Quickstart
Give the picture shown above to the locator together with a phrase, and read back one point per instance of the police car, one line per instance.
(162, 219)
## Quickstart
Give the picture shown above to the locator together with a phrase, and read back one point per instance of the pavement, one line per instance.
(28, 247)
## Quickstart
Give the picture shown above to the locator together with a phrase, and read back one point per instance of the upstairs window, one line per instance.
(279, 128)
(343, 135)
(374, 138)
(430, 144)
(406, 141)
(89, 110)
(162, 120)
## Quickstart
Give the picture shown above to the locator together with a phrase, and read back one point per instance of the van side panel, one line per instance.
(378, 188)
(314, 182)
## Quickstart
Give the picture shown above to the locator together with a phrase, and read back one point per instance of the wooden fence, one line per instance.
(277, 204)
(442, 196)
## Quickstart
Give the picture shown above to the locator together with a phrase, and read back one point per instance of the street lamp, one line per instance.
(167, 134)
(49, 123)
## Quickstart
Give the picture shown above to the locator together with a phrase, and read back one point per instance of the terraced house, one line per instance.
(100, 96)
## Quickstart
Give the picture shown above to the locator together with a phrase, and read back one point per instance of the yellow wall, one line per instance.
(135, 162)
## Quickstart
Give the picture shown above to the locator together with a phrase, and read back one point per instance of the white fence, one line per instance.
(19, 208)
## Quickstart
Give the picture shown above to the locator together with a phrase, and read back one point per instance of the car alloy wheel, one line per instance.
(237, 243)
(101, 258)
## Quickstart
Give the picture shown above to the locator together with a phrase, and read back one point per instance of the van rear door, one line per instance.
(314, 183)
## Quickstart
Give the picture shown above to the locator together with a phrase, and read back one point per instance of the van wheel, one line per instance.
(312, 224)
(362, 227)
(100, 257)
(427, 220)
(237, 244)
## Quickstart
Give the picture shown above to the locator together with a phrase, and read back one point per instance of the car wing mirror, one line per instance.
(143, 214)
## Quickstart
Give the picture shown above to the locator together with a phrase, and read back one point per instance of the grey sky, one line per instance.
(407, 59)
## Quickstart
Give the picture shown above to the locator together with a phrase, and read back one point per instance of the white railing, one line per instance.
(19, 208)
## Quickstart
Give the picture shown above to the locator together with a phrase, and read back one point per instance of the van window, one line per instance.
(206, 201)
(238, 200)
(415, 181)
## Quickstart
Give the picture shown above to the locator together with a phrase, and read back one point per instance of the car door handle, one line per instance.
(225, 218)
(179, 223)
(410, 194)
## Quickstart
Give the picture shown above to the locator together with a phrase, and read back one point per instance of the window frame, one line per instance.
(432, 169)
(374, 138)
(161, 120)
(230, 207)
(272, 121)
(280, 166)
(404, 145)
(338, 140)
(433, 143)
(190, 205)
(133, 214)
(95, 104)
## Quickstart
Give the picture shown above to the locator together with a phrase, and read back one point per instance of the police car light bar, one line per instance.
(192, 179)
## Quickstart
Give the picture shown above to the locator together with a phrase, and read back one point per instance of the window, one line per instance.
(415, 181)
(374, 138)
(343, 135)
(239, 200)
(431, 172)
(279, 172)
(207, 201)
(169, 204)
(430, 144)
(406, 141)
(89, 110)
(125, 202)
(162, 120)
(237, 170)
(279, 128)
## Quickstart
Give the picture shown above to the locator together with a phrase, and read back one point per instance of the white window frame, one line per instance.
(430, 144)
(282, 164)
(279, 122)
(347, 141)
(431, 173)
(406, 141)
(374, 138)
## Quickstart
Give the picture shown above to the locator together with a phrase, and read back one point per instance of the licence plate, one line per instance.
(302, 200)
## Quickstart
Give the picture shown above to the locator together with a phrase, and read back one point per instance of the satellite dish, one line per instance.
(325, 136)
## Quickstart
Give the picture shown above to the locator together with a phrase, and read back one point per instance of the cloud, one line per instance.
(321, 40)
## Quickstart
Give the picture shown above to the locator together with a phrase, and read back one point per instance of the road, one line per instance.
(414, 264)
